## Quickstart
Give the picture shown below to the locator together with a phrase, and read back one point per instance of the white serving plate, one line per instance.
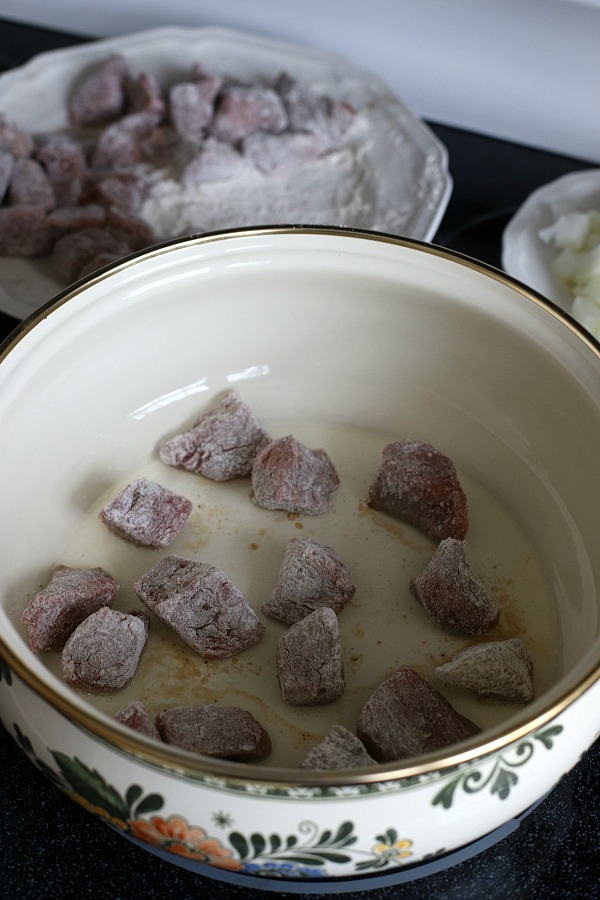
(398, 177)
(524, 254)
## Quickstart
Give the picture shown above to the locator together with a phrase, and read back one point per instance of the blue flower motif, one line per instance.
(282, 870)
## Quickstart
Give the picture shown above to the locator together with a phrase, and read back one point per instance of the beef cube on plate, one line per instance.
(73, 250)
(123, 190)
(144, 94)
(146, 513)
(25, 231)
(311, 575)
(313, 112)
(406, 716)
(135, 716)
(75, 218)
(191, 104)
(200, 603)
(103, 652)
(419, 484)
(242, 110)
(222, 444)
(501, 669)
(339, 749)
(452, 594)
(310, 665)
(290, 476)
(227, 732)
(70, 596)
(121, 144)
(101, 95)
(30, 185)
(64, 160)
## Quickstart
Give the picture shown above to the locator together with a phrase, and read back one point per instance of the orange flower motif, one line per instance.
(177, 836)
(98, 811)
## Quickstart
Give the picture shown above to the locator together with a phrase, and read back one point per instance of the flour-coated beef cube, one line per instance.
(339, 749)
(103, 652)
(419, 484)
(311, 576)
(201, 604)
(312, 112)
(501, 669)
(227, 732)
(135, 231)
(121, 144)
(406, 716)
(70, 596)
(214, 161)
(146, 513)
(74, 250)
(290, 476)
(76, 218)
(222, 444)
(24, 231)
(100, 97)
(30, 185)
(242, 110)
(63, 159)
(310, 665)
(191, 105)
(144, 94)
(452, 594)
(121, 190)
(135, 716)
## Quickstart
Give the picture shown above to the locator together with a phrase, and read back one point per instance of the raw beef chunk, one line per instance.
(227, 732)
(493, 669)
(406, 716)
(192, 107)
(201, 604)
(74, 250)
(30, 185)
(310, 667)
(24, 231)
(147, 514)
(222, 444)
(340, 749)
(103, 653)
(452, 594)
(70, 596)
(64, 160)
(311, 576)
(101, 95)
(120, 146)
(144, 94)
(244, 110)
(135, 715)
(417, 483)
(287, 475)
(314, 113)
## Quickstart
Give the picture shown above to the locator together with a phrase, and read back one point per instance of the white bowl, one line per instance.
(525, 255)
(348, 339)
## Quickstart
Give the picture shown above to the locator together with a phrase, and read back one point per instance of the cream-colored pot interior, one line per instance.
(349, 340)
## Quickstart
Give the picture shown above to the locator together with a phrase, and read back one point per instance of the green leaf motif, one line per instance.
(151, 803)
(132, 794)
(239, 844)
(547, 735)
(503, 782)
(91, 785)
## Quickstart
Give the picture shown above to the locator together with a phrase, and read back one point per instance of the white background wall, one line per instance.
(526, 70)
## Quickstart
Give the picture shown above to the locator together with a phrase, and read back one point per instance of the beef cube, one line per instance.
(70, 596)
(222, 444)
(30, 185)
(100, 97)
(242, 110)
(76, 218)
(13, 139)
(121, 190)
(96, 263)
(103, 652)
(339, 749)
(146, 513)
(226, 732)
(310, 667)
(200, 603)
(63, 159)
(24, 231)
(313, 112)
(406, 716)
(74, 250)
(135, 231)
(7, 165)
(191, 104)
(452, 594)
(417, 483)
(270, 152)
(144, 94)
(215, 161)
(121, 144)
(500, 669)
(135, 716)
(311, 576)
(287, 475)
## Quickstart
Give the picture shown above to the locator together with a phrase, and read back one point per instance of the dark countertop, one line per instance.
(50, 847)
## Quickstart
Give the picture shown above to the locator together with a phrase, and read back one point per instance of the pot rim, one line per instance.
(172, 760)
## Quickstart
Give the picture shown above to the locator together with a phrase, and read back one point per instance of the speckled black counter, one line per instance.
(50, 847)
